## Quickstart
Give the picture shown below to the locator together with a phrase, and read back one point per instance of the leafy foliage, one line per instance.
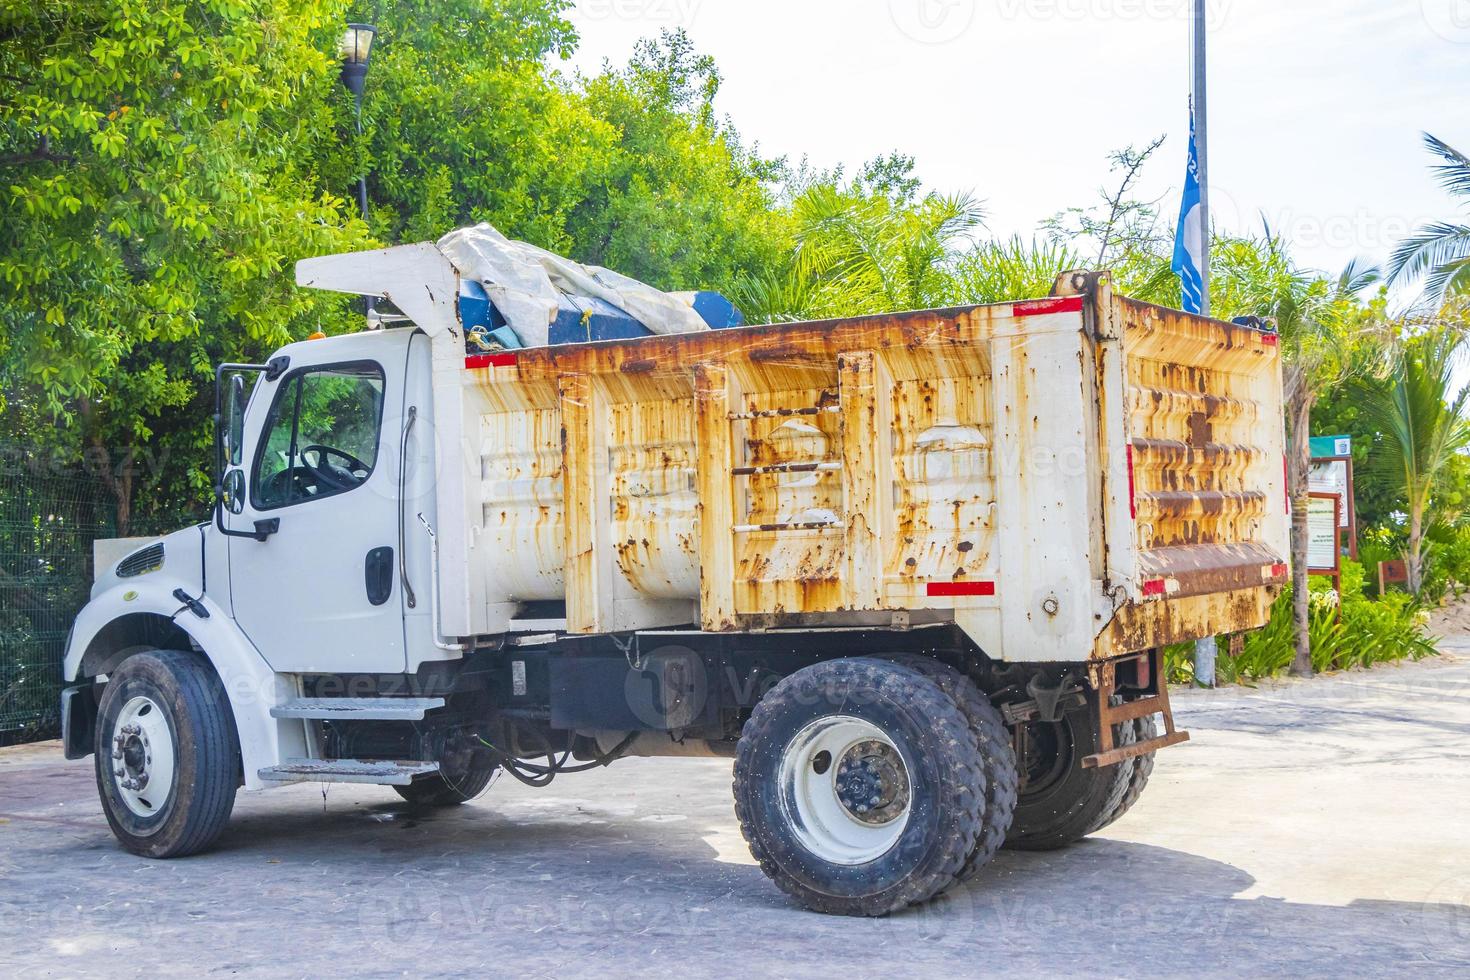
(1422, 426)
(160, 175)
(165, 163)
(629, 169)
(1438, 255)
(1348, 631)
(865, 246)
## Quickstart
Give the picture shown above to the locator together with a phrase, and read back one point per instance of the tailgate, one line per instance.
(1203, 431)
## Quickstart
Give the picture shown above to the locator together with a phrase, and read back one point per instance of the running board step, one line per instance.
(357, 709)
(347, 771)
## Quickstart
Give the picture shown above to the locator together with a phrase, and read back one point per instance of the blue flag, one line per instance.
(1189, 240)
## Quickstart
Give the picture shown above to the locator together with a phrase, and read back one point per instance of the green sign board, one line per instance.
(1325, 447)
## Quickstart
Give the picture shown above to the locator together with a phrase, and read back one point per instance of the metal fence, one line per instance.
(48, 521)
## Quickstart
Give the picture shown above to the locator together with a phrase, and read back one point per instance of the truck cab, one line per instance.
(850, 556)
(330, 473)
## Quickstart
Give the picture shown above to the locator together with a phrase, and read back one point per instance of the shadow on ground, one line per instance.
(563, 887)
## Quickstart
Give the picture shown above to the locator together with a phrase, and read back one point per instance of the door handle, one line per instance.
(378, 575)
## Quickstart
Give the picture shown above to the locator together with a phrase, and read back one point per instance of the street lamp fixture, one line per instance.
(356, 49)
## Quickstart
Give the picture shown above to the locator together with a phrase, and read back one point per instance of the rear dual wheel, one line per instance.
(459, 784)
(1061, 802)
(862, 787)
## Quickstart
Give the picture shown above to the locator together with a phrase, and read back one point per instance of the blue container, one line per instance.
(579, 319)
(584, 318)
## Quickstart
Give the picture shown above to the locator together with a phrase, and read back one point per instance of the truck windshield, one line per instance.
(321, 436)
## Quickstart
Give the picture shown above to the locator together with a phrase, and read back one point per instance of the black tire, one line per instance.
(944, 770)
(205, 748)
(439, 790)
(1003, 777)
(1143, 767)
(1061, 802)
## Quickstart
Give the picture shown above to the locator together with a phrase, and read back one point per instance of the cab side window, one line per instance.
(321, 435)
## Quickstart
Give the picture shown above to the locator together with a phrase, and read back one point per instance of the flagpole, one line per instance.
(1199, 93)
(1205, 648)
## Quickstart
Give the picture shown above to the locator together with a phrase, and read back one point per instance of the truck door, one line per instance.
(320, 593)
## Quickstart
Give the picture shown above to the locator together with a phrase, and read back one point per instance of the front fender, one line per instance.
(250, 684)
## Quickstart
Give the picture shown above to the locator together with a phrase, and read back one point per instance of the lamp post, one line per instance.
(356, 51)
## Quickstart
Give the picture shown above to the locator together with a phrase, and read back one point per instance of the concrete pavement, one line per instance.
(1313, 829)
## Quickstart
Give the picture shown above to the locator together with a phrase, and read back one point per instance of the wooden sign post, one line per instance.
(1392, 572)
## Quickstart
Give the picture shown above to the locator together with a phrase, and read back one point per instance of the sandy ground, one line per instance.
(1314, 828)
(1452, 619)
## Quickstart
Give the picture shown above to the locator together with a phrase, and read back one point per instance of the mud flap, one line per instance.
(1143, 672)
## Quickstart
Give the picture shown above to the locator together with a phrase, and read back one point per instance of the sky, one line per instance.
(1316, 107)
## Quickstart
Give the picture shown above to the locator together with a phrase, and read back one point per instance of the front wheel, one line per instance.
(860, 787)
(167, 756)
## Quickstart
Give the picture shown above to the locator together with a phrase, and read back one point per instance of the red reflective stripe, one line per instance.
(1036, 307)
(1270, 339)
(1279, 570)
(1132, 492)
(489, 360)
(1154, 587)
(950, 589)
(1286, 481)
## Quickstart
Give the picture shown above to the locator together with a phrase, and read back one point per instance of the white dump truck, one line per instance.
(913, 572)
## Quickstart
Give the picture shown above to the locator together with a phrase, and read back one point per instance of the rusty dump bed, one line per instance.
(1072, 477)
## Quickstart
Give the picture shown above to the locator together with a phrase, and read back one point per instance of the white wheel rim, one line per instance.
(142, 756)
(832, 771)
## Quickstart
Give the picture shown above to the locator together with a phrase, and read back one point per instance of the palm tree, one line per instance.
(997, 271)
(1423, 426)
(863, 252)
(1438, 253)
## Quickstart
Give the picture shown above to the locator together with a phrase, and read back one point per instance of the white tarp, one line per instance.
(524, 283)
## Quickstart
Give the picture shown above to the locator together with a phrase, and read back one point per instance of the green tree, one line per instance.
(163, 165)
(1422, 424)
(1439, 254)
(630, 169)
(158, 163)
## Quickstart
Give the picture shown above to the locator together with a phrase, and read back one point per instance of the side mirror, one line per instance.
(229, 433)
(235, 427)
(232, 491)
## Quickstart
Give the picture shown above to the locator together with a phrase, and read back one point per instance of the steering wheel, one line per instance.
(337, 478)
